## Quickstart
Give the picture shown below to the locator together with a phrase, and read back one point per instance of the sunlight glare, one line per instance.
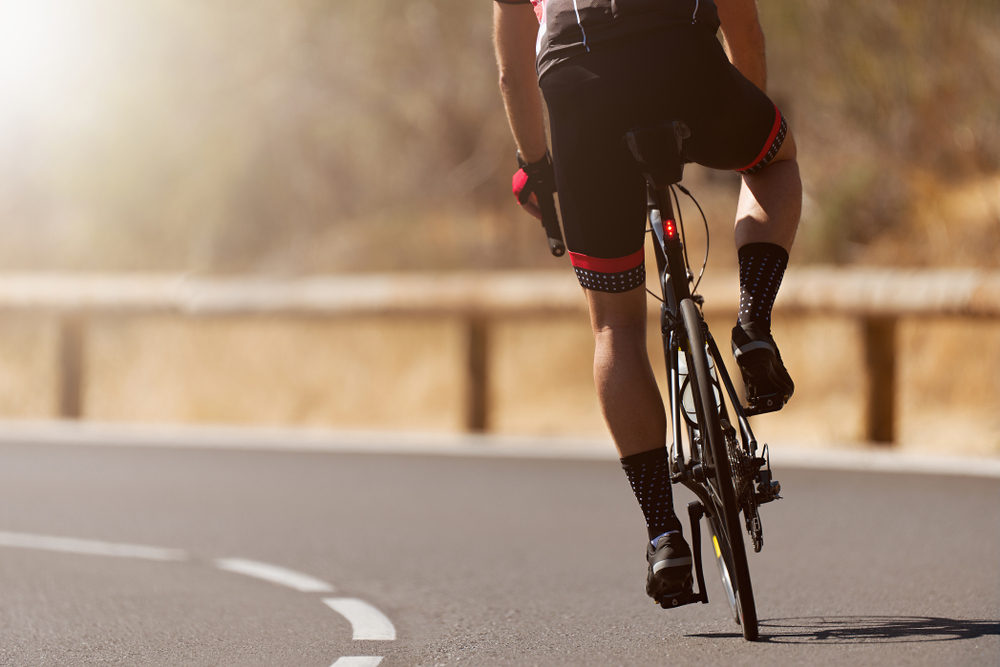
(47, 50)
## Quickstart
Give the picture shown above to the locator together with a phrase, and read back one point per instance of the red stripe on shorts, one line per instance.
(769, 142)
(602, 265)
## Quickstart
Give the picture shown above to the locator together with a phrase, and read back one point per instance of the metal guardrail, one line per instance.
(879, 298)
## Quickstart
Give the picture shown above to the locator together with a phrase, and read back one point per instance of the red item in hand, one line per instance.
(537, 177)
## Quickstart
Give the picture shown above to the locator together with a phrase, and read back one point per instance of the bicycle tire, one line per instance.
(723, 558)
(730, 540)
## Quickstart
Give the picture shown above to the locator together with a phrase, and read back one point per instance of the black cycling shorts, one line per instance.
(677, 73)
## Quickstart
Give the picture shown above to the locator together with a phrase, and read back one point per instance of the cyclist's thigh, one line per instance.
(735, 126)
(601, 192)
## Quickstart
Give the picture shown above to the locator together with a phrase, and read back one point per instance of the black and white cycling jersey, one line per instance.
(571, 27)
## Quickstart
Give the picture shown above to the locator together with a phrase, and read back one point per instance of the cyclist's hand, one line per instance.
(531, 180)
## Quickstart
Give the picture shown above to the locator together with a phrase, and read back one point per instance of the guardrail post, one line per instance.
(70, 370)
(476, 417)
(880, 359)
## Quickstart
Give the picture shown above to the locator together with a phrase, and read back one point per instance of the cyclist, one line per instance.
(607, 66)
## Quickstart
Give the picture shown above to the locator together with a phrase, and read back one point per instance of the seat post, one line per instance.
(657, 152)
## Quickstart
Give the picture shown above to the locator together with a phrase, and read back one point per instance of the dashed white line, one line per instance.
(275, 574)
(357, 661)
(366, 621)
(88, 547)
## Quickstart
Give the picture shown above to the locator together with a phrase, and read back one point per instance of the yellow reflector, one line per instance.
(718, 551)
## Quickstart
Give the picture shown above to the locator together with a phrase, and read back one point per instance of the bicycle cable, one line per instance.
(704, 220)
(649, 230)
(680, 226)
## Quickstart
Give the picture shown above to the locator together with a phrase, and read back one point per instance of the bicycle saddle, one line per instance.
(657, 150)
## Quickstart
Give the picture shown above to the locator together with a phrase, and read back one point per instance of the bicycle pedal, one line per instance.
(676, 599)
(764, 403)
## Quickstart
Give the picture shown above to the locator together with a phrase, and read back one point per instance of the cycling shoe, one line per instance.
(768, 384)
(669, 580)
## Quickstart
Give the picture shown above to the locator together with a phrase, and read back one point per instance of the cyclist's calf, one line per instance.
(770, 202)
(626, 386)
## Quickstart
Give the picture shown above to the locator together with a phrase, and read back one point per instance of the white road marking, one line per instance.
(89, 547)
(366, 621)
(357, 661)
(275, 574)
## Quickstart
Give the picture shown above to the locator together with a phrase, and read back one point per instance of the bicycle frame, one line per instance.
(694, 468)
(668, 250)
(687, 467)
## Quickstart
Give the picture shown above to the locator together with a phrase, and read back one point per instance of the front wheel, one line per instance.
(724, 519)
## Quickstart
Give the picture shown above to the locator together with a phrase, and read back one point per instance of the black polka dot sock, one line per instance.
(762, 266)
(649, 475)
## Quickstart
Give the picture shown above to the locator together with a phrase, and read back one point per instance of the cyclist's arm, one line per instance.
(744, 38)
(515, 28)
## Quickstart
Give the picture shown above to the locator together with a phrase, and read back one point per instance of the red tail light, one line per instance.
(670, 229)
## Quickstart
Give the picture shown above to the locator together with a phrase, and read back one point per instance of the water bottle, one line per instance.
(687, 396)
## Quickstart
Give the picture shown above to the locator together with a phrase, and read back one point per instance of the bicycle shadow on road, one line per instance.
(868, 630)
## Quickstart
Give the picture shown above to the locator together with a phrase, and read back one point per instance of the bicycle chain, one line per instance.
(744, 470)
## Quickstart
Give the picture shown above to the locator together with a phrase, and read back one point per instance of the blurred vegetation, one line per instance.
(895, 108)
(307, 136)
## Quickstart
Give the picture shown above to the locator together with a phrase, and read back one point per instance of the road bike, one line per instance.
(710, 452)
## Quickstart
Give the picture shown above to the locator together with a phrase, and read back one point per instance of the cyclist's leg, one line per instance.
(767, 217)
(603, 203)
(770, 202)
(633, 410)
(602, 199)
(626, 387)
(742, 129)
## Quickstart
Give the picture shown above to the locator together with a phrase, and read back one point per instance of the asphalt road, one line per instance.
(470, 561)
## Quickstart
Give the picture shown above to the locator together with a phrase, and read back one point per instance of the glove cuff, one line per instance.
(537, 167)
(534, 178)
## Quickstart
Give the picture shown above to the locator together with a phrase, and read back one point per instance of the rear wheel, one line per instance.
(723, 557)
(724, 516)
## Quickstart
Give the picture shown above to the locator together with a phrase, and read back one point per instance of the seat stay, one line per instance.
(748, 439)
(671, 346)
